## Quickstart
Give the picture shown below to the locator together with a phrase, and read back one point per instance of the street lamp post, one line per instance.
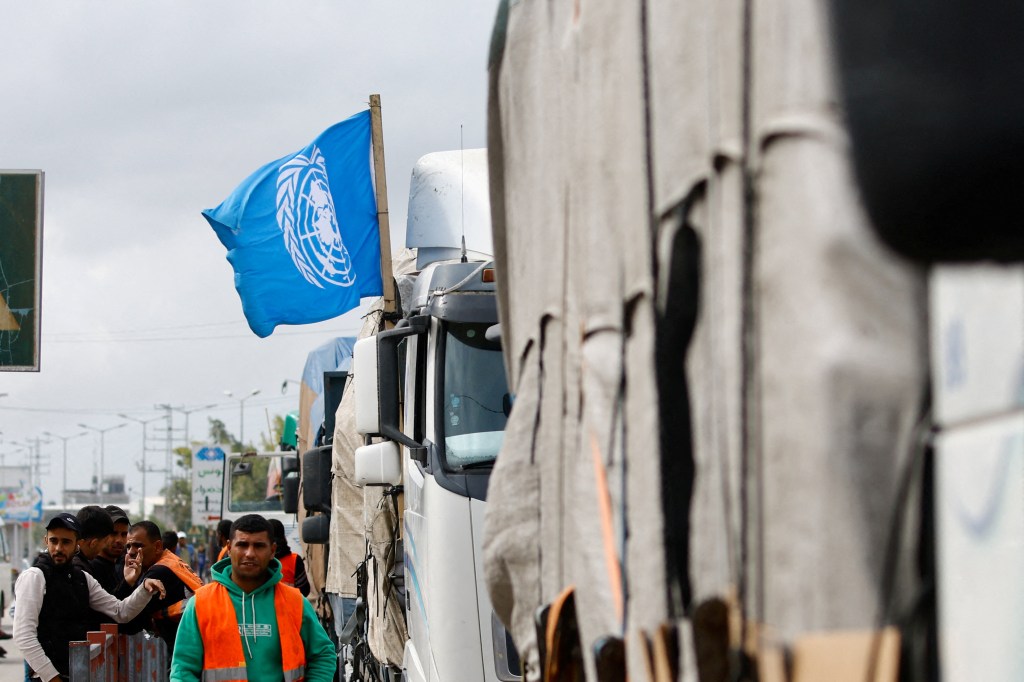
(31, 446)
(241, 414)
(64, 480)
(35, 461)
(102, 432)
(188, 437)
(187, 412)
(143, 422)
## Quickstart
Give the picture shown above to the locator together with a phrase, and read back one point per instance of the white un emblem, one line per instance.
(306, 216)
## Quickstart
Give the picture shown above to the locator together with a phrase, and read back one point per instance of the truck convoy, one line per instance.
(415, 440)
(767, 373)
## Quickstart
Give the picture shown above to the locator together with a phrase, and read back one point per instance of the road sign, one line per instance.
(207, 484)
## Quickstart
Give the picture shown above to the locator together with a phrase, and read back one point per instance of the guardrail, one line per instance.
(107, 656)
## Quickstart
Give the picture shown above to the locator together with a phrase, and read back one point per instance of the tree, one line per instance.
(277, 422)
(178, 493)
(179, 502)
(220, 435)
(249, 488)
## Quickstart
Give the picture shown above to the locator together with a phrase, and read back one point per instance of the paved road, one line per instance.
(11, 666)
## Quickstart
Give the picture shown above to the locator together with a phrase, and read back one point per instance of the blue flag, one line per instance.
(301, 232)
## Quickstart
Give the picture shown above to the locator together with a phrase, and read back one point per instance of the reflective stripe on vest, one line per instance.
(225, 674)
(186, 575)
(223, 658)
(173, 611)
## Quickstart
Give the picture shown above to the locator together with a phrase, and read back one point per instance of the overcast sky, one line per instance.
(144, 114)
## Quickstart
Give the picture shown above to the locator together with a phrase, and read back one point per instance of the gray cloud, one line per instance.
(142, 115)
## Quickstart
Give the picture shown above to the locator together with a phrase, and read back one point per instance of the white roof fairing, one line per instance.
(449, 193)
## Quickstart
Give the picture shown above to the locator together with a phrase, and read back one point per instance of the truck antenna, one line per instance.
(462, 160)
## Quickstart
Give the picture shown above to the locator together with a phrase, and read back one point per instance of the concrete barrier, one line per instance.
(107, 656)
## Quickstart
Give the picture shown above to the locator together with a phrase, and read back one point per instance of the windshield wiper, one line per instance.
(482, 464)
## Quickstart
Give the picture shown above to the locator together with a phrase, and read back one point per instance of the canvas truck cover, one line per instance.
(702, 334)
(357, 515)
(332, 355)
(335, 354)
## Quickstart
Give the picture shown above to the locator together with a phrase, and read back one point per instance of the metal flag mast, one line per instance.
(380, 182)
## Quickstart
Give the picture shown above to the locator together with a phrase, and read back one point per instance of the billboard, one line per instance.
(20, 501)
(21, 268)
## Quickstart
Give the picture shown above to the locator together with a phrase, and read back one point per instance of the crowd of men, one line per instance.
(250, 621)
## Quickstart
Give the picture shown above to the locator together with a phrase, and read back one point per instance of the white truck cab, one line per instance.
(440, 365)
(432, 396)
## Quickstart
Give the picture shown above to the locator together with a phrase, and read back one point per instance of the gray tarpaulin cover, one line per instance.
(333, 355)
(591, 134)
(358, 515)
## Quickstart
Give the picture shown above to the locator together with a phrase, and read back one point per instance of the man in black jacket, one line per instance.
(54, 600)
(108, 566)
(96, 527)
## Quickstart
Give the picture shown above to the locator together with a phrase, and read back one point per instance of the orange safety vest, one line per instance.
(223, 552)
(288, 569)
(185, 574)
(223, 659)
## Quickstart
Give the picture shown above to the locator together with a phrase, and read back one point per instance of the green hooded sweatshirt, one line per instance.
(260, 643)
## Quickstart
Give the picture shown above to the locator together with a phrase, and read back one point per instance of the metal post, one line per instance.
(103, 450)
(208, 406)
(64, 474)
(64, 481)
(102, 432)
(241, 415)
(383, 220)
(143, 422)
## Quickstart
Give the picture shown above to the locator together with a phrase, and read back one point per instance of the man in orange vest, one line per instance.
(146, 557)
(247, 625)
(223, 538)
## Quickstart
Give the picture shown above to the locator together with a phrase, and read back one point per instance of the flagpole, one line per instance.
(377, 141)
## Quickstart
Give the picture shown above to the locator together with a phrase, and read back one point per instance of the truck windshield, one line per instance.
(475, 396)
(255, 484)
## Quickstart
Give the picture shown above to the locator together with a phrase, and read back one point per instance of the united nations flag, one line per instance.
(301, 232)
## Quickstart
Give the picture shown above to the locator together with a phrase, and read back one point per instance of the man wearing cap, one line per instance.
(184, 550)
(146, 557)
(54, 598)
(105, 565)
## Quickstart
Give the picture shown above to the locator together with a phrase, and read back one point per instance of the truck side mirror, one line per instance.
(316, 530)
(364, 367)
(377, 368)
(378, 464)
(334, 388)
(290, 493)
(242, 469)
(289, 465)
(316, 479)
